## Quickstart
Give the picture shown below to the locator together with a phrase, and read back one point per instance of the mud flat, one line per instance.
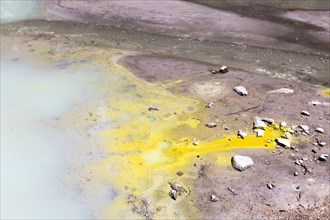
(147, 129)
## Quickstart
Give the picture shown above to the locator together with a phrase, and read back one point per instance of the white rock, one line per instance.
(269, 120)
(241, 134)
(241, 90)
(223, 69)
(195, 142)
(260, 133)
(320, 130)
(305, 128)
(321, 143)
(173, 194)
(211, 125)
(283, 124)
(305, 113)
(241, 162)
(270, 185)
(209, 105)
(283, 142)
(153, 108)
(323, 157)
(282, 90)
(214, 198)
(259, 124)
(295, 173)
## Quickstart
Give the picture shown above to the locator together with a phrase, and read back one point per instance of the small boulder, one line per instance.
(241, 162)
(259, 124)
(323, 157)
(223, 69)
(241, 90)
(283, 142)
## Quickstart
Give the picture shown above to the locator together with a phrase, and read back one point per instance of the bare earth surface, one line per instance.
(176, 45)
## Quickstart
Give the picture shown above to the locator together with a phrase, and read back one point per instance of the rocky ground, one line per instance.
(178, 51)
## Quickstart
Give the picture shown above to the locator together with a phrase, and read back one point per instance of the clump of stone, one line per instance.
(176, 190)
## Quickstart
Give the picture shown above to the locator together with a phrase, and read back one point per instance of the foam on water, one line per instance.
(32, 153)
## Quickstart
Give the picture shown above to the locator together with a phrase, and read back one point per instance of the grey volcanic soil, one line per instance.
(253, 200)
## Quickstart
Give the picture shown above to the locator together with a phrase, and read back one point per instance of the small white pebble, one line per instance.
(305, 113)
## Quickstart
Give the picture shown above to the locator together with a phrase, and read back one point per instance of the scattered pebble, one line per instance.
(323, 157)
(241, 134)
(241, 90)
(320, 130)
(223, 69)
(241, 162)
(321, 143)
(214, 198)
(305, 113)
(173, 194)
(304, 128)
(211, 125)
(153, 108)
(179, 173)
(283, 142)
(282, 90)
(296, 174)
(195, 142)
(209, 105)
(270, 185)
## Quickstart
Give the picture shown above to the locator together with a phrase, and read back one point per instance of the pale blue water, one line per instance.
(15, 10)
(33, 154)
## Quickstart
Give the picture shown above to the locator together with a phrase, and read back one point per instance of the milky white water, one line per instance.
(32, 152)
(14, 10)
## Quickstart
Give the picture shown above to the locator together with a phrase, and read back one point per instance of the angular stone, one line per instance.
(320, 130)
(211, 125)
(305, 113)
(283, 142)
(241, 90)
(241, 134)
(259, 124)
(241, 163)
